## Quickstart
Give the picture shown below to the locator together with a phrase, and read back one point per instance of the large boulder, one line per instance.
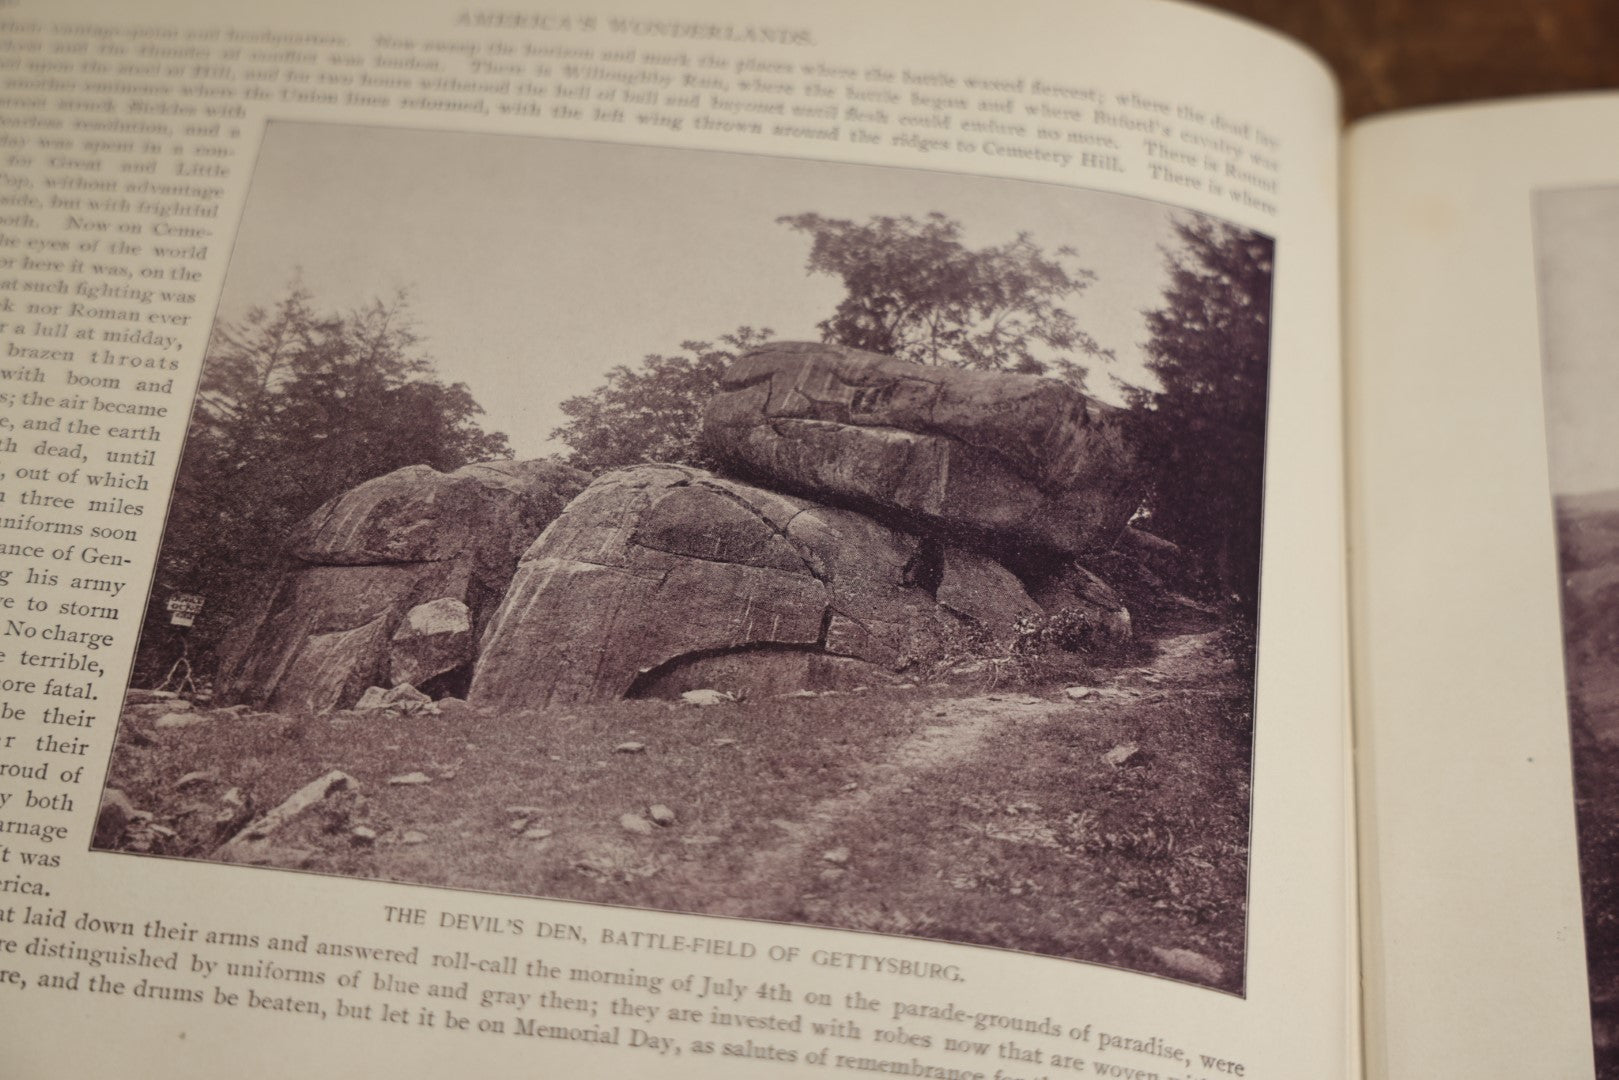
(1016, 459)
(1163, 557)
(659, 577)
(1085, 611)
(1155, 577)
(392, 581)
(432, 639)
(485, 514)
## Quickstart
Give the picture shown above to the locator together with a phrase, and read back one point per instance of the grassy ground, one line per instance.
(985, 813)
(1596, 786)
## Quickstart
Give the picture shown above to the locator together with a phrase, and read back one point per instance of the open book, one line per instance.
(749, 541)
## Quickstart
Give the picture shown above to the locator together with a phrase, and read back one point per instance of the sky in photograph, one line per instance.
(1577, 245)
(534, 265)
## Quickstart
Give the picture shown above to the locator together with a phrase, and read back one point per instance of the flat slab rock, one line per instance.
(1023, 459)
(659, 567)
(258, 843)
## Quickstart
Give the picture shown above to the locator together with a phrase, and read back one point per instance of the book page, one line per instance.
(1480, 273)
(727, 542)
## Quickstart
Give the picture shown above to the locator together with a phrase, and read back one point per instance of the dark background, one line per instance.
(1395, 54)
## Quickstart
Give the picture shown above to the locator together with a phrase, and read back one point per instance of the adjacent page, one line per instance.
(1480, 290)
(725, 542)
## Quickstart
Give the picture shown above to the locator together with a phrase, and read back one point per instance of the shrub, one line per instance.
(1069, 629)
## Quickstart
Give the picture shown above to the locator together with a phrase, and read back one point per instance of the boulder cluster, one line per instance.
(869, 517)
(392, 582)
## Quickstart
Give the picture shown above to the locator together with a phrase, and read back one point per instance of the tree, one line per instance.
(296, 406)
(1204, 430)
(651, 413)
(917, 292)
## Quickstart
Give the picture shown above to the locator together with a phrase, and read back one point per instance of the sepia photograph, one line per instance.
(748, 536)
(1577, 253)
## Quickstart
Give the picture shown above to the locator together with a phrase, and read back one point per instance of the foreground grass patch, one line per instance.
(1596, 789)
(1112, 828)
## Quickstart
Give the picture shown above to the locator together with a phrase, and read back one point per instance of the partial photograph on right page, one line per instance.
(1577, 257)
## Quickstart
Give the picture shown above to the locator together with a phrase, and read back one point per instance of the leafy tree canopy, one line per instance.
(1204, 431)
(653, 412)
(915, 290)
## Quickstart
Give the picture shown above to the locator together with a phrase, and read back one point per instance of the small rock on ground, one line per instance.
(180, 720)
(132, 696)
(1190, 964)
(1122, 755)
(115, 813)
(704, 698)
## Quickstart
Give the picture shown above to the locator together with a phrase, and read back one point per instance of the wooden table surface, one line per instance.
(1394, 54)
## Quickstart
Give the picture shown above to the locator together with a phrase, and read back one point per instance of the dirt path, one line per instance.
(771, 877)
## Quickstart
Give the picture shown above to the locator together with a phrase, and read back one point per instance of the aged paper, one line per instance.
(1100, 123)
